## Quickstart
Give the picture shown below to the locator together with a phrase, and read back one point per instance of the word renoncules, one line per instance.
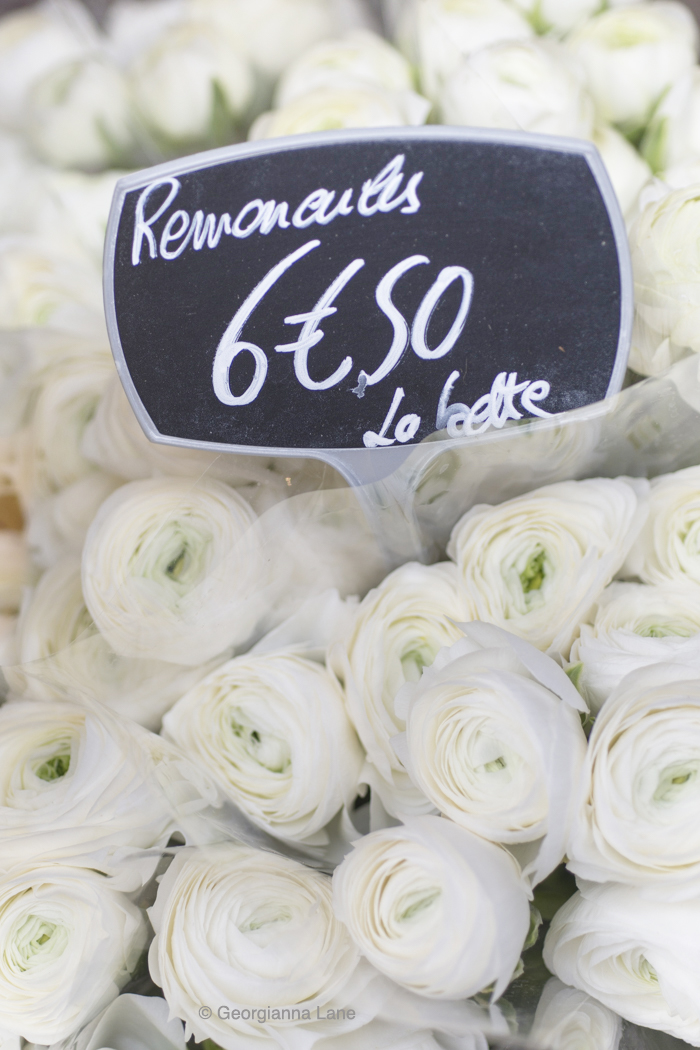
(262, 1014)
(381, 194)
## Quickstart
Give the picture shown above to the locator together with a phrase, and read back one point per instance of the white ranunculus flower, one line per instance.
(359, 56)
(399, 629)
(114, 441)
(494, 740)
(34, 41)
(58, 524)
(272, 33)
(635, 625)
(347, 105)
(172, 570)
(628, 172)
(664, 241)
(637, 822)
(536, 564)
(192, 87)
(77, 786)
(531, 85)
(673, 136)
(632, 55)
(436, 34)
(59, 653)
(133, 27)
(68, 942)
(248, 724)
(79, 115)
(280, 951)
(64, 397)
(438, 910)
(15, 569)
(130, 1022)
(41, 285)
(73, 209)
(640, 957)
(568, 1019)
(667, 549)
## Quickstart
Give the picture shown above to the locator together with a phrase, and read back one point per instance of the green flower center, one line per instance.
(54, 768)
(533, 575)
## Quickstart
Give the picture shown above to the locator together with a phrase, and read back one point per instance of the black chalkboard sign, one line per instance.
(364, 289)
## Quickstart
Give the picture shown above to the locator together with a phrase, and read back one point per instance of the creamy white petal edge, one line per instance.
(434, 908)
(399, 628)
(272, 728)
(172, 570)
(569, 1019)
(635, 625)
(640, 957)
(282, 947)
(667, 549)
(494, 740)
(79, 786)
(60, 654)
(637, 821)
(68, 942)
(536, 564)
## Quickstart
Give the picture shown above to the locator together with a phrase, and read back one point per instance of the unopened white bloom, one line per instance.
(632, 55)
(68, 942)
(130, 1022)
(664, 241)
(171, 570)
(346, 106)
(436, 909)
(494, 740)
(77, 787)
(667, 549)
(359, 56)
(78, 115)
(637, 823)
(34, 41)
(628, 172)
(635, 625)
(536, 564)
(567, 1019)
(673, 136)
(248, 723)
(58, 524)
(41, 285)
(280, 947)
(15, 571)
(64, 398)
(399, 629)
(531, 85)
(436, 34)
(272, 33)
(60, 653)
(192, 86)
(639, 957)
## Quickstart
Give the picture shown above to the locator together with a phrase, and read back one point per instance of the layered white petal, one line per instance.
(436, 909)
(272, 728)
(536, 564)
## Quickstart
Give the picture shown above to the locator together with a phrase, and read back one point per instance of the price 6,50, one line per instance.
(310, 335)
